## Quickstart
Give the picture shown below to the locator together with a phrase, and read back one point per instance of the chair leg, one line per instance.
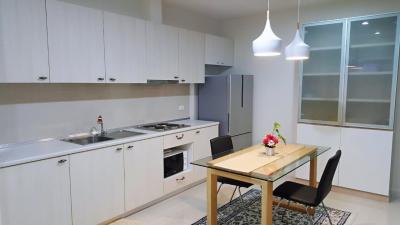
(284, 213)
(327, 213)
(232, 195)
(309, 216)
(240, 194)
(219, 188)
(277, 207)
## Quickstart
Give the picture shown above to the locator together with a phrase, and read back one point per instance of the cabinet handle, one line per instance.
(112, 79)
(130, 147)
(176, 77)
(119, 149)
(180, 137)
(198, 132)
(183, 81)
(100, 79)
(42, 78)
(62, 161)
(180, 179)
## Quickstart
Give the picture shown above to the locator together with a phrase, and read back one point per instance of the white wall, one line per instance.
(277, 80)
(29, 112)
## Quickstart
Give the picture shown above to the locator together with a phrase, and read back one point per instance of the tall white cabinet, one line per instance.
(23, 42)
(97, 185)
(162, 52)
(76, 46)
(125, 48)
(36, 193)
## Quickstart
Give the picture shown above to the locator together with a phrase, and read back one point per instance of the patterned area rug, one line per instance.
(233, 214)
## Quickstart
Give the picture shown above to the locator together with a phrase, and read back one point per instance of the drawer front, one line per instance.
(178, 139)
(178, 181)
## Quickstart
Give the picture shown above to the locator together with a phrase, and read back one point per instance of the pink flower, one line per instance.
(270, 140)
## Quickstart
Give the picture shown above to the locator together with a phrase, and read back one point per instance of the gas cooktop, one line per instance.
(162, 126)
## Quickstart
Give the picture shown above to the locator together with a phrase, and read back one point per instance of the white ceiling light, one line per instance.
(297, 49)
(267, 44)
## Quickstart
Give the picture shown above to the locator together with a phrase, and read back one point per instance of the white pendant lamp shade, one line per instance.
(297, 49)
(267, 44)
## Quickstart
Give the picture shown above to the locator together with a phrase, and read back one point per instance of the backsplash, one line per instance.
(33, 111)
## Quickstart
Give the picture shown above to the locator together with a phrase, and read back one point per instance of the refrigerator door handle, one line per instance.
(229, 132)
(242, 91)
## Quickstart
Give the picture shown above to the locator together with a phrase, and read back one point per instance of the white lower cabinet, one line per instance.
(97, 185)
(366, 160)
(36, 193)
(202, 148)
(366, 155)
(143, 172)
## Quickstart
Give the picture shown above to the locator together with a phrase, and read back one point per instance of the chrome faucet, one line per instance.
(100, 121)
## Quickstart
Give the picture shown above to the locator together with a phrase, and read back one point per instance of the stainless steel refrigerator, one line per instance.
(228, 99)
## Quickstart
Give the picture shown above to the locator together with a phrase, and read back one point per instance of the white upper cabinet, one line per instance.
(97, 185)
(191, 56)
(144, 172)
(23, 42)
(125, 48)
(162, 52)
(219, 50)
(36, 193)
(76, 47)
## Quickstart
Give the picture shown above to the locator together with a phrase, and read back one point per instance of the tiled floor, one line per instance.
(189, 206)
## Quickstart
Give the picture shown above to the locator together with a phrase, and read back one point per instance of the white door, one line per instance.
(23, 42)
(144, 172)
(97, 185)
(125, 48)
(191, 56)
(219, 51)
(202, 147)
(327, 136)
(366, 160)
(162, 52)
(76, 47)
(36, 193)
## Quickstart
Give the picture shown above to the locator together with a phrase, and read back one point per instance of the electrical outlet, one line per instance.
(181, 108)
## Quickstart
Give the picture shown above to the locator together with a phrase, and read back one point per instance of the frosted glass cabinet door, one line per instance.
(322, 74)
(371, 68)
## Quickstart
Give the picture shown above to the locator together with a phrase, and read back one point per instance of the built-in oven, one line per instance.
(175, 161)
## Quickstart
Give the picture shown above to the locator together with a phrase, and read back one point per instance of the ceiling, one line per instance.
(227, 9)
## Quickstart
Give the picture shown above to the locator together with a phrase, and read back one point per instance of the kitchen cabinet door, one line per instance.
(322, 136)
(97, 185)
(366, 160)
(23, 42)
(219, 51)
(36, 193)
(191, 56)
(202, 147)
(125, 48)
(76, 47)
(144, 172)
(162, 52)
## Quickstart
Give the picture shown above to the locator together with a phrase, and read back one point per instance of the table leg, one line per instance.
(313, 172)
(266, 203)
(211, 198)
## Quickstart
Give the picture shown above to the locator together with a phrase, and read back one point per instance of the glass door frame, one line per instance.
(341, 75)
(394, 75)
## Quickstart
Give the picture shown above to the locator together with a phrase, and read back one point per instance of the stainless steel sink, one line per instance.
(85, 140)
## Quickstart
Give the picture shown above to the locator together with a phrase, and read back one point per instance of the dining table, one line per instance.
(253, 165)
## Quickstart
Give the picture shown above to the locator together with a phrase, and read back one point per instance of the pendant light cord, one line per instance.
(268, 9)
(298, 14)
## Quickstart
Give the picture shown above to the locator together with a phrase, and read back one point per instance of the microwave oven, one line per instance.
(175, 161)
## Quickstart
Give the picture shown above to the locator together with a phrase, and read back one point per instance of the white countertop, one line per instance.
(20, 153)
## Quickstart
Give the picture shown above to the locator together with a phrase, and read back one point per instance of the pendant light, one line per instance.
(297, 49)
(267, 44)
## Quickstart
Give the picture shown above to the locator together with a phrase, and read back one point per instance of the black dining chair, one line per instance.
(310, 196)
(222, 146)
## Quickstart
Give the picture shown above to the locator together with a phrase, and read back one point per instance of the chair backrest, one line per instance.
(325, 184)
(221, 145)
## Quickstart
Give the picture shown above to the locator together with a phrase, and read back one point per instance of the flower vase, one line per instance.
(270, 151)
